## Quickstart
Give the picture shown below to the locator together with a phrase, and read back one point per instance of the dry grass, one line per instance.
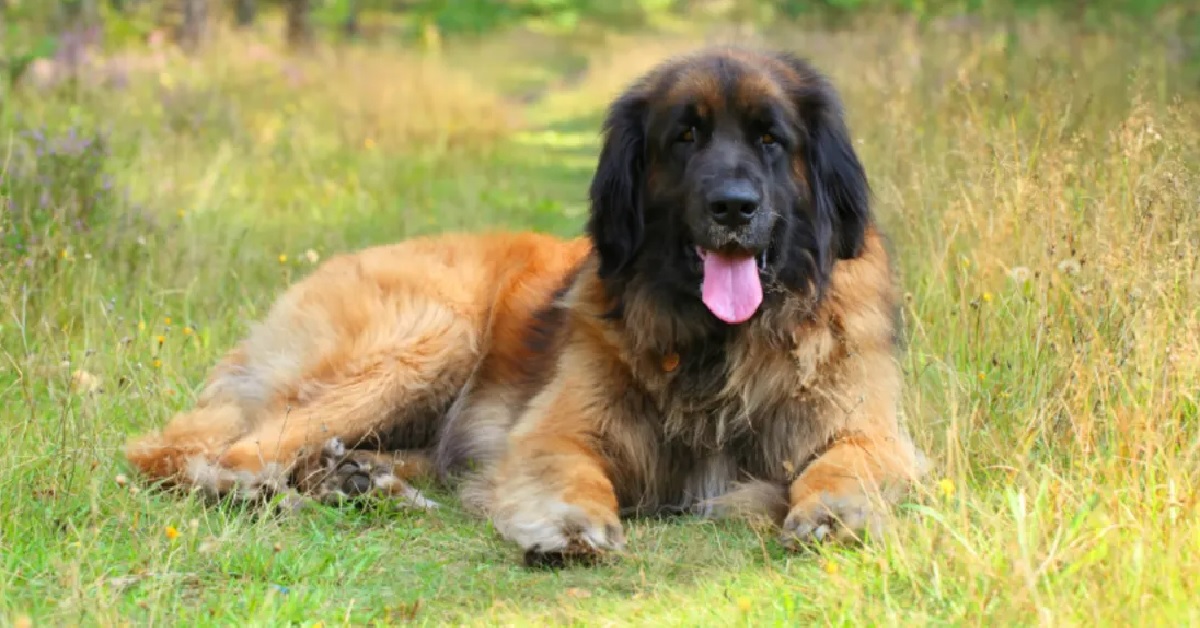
(1041, 190)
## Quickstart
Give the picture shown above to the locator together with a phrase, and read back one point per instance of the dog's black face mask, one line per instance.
(721, 173)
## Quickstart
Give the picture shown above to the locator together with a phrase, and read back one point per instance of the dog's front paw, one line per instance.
(843, 516)
(558, 533)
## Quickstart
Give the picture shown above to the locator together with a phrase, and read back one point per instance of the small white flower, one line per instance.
(1020, 274)
(1070, 266)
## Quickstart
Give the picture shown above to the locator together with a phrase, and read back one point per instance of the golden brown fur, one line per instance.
(372, 347)
(558, 375)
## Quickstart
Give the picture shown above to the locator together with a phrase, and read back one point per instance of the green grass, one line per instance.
(1040, 188)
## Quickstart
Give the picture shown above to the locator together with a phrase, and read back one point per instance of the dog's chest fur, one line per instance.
(725, 409)
(713, 390)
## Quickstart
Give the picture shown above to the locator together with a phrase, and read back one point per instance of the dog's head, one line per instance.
(725, 170)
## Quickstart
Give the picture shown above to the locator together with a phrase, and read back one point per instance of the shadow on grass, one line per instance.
(448, 566)
(153, 553)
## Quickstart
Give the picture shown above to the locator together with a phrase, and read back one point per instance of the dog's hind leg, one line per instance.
(392, 392)
(220, 417)
(167, 455)
(327, 363)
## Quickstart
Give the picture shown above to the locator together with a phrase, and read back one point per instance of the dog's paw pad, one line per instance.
(354, 479)
(350, 475)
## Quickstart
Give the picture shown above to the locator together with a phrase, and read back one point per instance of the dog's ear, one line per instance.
(616, 224)
(836, 178)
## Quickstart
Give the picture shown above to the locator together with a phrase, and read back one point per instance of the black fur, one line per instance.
(841, 191)
(542, 338)
(616, 222)
(645, 223)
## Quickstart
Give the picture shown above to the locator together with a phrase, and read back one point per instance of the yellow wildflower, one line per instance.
(946, 487)
(171, 532)
(282, 258)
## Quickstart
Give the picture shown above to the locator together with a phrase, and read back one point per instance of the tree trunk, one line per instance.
(80, 12)
(299, 29)
(244, 12)
(193, 24)
(350, 25)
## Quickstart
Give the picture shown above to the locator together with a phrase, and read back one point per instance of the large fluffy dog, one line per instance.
(722, 340)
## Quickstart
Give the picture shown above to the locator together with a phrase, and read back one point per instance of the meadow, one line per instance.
(1040, 183)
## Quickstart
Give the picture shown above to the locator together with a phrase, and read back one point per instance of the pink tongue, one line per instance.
(731, 288)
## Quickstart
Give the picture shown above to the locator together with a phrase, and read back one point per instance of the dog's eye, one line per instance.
(687, 136)
(767, 139)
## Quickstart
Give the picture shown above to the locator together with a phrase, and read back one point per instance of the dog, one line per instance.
(721, 341)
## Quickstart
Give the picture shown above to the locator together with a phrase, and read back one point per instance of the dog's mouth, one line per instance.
(732, 285)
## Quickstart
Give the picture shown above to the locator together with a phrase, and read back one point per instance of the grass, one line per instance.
(1040, 185)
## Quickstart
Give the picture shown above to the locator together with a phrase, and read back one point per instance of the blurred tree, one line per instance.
(192, 26)
(120, 6)
(244, 12)
(299, 26)
(350, 26)
(80, 11)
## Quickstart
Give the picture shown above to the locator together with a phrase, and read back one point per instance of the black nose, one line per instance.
(733, 204)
